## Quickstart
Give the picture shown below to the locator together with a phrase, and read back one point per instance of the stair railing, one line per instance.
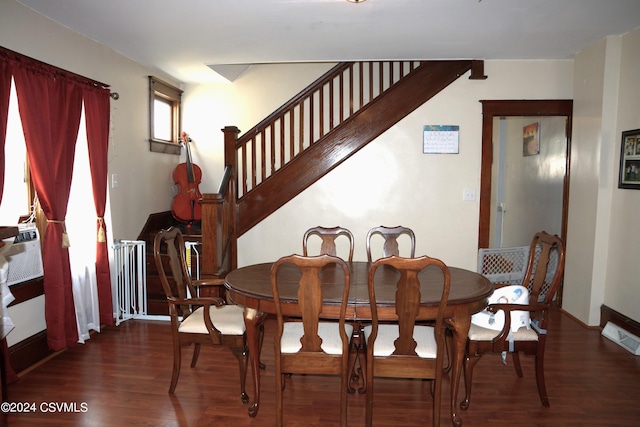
(324, 105)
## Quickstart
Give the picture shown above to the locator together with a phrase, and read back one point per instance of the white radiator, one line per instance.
(131, 279)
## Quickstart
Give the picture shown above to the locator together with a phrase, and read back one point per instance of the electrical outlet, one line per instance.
(469, 195)
(114, 180)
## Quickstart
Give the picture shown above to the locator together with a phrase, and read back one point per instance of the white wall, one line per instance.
(602, 265)
(207, 108)
(585, 177)
(622, 276)
(145, 183)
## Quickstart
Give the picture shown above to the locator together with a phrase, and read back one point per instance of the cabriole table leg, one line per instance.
(253, 321)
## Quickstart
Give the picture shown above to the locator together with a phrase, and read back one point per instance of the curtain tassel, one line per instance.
(65, 236)
(101, 234)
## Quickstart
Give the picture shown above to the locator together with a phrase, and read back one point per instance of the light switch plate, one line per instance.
(469, 195)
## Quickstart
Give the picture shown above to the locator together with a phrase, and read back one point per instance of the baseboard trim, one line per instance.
(607, 314)
(578, 321)
(29, 352)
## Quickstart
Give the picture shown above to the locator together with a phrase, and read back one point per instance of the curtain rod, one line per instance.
(23, 58)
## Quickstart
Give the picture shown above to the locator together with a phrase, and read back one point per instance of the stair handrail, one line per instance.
(323, 106)
(267, 121)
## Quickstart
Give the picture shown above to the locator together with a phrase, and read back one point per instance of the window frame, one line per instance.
(159, 89)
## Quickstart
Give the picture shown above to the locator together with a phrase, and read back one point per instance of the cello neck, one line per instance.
(190, 176)
(186, 139)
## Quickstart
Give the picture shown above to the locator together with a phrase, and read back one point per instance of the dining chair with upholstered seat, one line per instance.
(391, 236)
(304, 344)
(328, 238)
(528, 340)
(196, 320)
(328, 246)
(406, 348)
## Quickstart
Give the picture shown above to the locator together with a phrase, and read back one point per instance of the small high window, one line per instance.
(164, 116)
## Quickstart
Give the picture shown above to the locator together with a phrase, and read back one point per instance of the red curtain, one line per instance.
(5, 89)
(50, 108)
(96, 107)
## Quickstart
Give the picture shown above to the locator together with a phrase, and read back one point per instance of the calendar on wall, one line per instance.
(438, 139)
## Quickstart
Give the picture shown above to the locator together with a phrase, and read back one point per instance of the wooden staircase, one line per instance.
(311, 134)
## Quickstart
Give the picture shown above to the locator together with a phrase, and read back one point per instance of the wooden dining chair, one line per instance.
(391, 236)
(190, 323)
(328, 246)
(406, 348)
(310, 345)
(328, 236)
(530, 341)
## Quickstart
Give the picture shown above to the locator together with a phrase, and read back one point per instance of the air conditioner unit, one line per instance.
(621, 337)
(23, 255)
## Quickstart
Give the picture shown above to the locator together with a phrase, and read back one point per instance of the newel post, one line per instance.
(230, 161)
(219, 241)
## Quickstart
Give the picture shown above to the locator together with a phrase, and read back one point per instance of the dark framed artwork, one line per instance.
(629, 176)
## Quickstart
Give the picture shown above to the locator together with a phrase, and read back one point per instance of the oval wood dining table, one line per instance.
(250, 287)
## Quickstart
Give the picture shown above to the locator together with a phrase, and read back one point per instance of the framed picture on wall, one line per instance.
(629, 176)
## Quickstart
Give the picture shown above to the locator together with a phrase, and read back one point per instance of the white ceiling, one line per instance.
(182, 38)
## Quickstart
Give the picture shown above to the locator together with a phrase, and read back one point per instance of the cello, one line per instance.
(187, 176)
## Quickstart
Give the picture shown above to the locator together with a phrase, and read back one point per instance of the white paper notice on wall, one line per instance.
(440, 139)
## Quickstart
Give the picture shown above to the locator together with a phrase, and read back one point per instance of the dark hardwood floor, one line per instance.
(121, 376)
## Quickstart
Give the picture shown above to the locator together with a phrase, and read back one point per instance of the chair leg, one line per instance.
(279, 392)
(448, 341)
(467, 367)
(176, 367)
(369, 396)
(196, 353)
(242, 354)
(343, 398)
(437, 398)
(369, 405)
(261, 338)
(362, 360)
(542, 390)
(516, 363)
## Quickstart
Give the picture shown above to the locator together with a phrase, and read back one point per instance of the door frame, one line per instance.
(510, 108)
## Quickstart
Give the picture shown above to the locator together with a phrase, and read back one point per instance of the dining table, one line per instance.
(250, 287)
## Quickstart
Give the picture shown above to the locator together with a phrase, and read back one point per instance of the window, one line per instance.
(19, 198)
(18, 195)
(164, 116)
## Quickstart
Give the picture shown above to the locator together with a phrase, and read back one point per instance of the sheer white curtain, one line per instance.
(81, 228)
